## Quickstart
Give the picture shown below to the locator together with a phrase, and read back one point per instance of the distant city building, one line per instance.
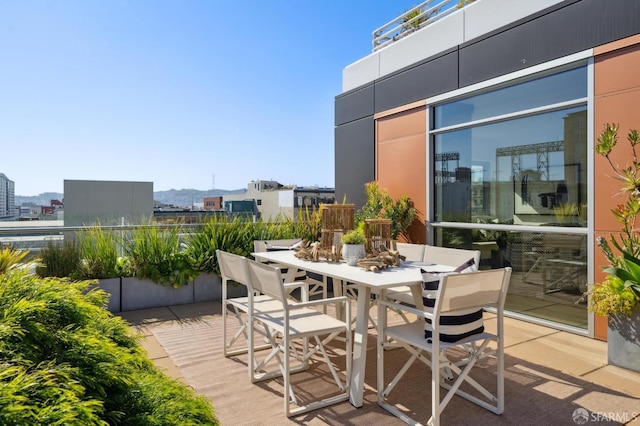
(271, 199)
(213, 203)
(7, 198)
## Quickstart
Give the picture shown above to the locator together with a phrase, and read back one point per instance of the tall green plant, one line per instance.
(381, 205)
(99, 253)
(620, 292)
(59, 259)
(155, 252)
(232, 235)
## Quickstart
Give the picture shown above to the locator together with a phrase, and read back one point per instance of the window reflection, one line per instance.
(525, 171)
(549, 90)
(549, 270)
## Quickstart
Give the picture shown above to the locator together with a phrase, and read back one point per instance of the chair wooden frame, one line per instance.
(297, 321)
(456, 292)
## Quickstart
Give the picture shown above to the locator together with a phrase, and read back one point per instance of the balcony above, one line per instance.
(403, 42)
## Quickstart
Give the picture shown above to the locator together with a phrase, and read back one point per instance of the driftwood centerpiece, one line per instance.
(382, 258)
(314, 252)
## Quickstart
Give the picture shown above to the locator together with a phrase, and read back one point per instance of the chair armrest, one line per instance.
(295, 284)
(410, 309)
(320, 302)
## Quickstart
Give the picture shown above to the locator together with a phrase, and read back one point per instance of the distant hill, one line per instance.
(43, 199)
(177, 197)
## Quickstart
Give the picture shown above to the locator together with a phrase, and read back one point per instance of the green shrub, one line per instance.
(10, 258)
(66, 360)
(99, 253)
(155, 252)
(59, 259)
(381, 205)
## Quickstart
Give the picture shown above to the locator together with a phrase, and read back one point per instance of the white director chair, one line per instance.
(456, 294)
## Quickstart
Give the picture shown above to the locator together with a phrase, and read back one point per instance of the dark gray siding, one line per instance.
(560, 32)
(354, 105)
(427, 79)
(354, 151)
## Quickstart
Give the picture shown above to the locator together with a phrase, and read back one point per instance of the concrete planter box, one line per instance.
(623, 341)
(112, 286)
(143, 294)
(208, 287)
(130, 293)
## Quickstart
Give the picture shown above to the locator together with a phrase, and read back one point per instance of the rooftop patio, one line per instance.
(548, 375)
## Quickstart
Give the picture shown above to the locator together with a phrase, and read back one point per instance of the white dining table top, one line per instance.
(408, 273)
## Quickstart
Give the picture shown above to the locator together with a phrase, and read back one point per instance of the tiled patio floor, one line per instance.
(548, 375)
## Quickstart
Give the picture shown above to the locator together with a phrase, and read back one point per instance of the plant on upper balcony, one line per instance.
(620, 292)
(380, 205)
(463, 3)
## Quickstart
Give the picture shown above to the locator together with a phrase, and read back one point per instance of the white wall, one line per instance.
(468, 23)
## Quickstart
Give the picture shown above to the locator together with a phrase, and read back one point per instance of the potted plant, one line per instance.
(353, 246)
(99, 254)
(618, 297)
(159, 272)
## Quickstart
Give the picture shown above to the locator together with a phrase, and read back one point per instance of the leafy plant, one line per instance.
(10, 258)
(620, 292)
(66, 360)
(381, 205)
(155, 252)
(99, 253)
(355, 236)
(463, 3)
(412, 20)
(59, 259)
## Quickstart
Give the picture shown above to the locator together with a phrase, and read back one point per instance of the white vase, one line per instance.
(351, 253)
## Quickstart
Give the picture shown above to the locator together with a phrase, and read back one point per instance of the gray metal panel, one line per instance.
(575, 27)
(354, 160)
(354, 105)
(87, 202)
(427, 79)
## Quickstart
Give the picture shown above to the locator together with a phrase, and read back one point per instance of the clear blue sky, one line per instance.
(175, 92)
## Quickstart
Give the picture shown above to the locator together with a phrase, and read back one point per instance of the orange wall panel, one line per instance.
(401, 161)
(616, 96)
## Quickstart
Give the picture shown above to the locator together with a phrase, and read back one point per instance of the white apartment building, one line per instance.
(7, 198)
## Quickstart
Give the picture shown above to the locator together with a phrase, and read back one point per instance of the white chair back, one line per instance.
(450, 256)
(265, 245)
(474, 290)
(266, 279)
(232, 267)
(411, 251)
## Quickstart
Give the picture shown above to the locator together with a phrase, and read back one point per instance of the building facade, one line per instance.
(7, 198)
(272, 199)
(487, 120)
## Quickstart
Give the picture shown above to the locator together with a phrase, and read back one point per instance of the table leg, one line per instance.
(338, 285)
(360, 346)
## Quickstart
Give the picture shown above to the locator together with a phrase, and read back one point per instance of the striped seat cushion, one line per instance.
(457, 325)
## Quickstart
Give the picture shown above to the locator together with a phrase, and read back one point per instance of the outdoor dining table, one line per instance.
(407, 274)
